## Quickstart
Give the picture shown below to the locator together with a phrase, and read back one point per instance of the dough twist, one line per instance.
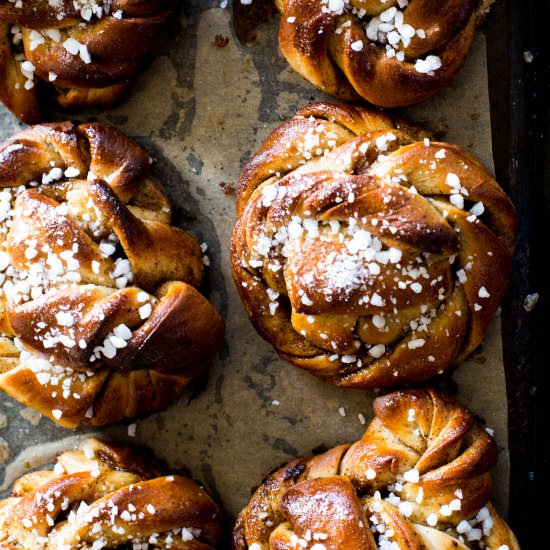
(365, 255)
(390, 52)
(417, 480)
(100, 318)
(104, 495)
(82, 52)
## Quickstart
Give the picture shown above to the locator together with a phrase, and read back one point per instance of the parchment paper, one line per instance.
(200, 110)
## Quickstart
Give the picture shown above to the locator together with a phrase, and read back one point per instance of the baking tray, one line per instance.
(516, 107)
(519, 74)
(519, 88)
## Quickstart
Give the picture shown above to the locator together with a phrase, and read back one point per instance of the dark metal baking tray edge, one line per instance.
(518, 77)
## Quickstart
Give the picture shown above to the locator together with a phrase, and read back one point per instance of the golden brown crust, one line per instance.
(419, 477)
(75, 57)
(364, 255)
(108, 493)
(98, 288)
(391, 53)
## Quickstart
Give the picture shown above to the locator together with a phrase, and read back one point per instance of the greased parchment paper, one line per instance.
(200, 109)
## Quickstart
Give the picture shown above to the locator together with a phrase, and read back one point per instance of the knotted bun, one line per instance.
(105, 495)
(418, 479)
(365, 254)
(390, 52)
(76, 54)
(100, 315)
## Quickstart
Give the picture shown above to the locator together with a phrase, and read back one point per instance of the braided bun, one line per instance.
(365, 255)
(418, 479)
(104, 495)
(390, 52)
(100, 315)
(76, 53)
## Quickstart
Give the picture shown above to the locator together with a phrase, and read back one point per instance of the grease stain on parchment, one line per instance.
(287, 104)
(151, 100)
(227, 99)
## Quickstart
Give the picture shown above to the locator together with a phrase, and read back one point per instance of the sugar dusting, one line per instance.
(38, 455)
